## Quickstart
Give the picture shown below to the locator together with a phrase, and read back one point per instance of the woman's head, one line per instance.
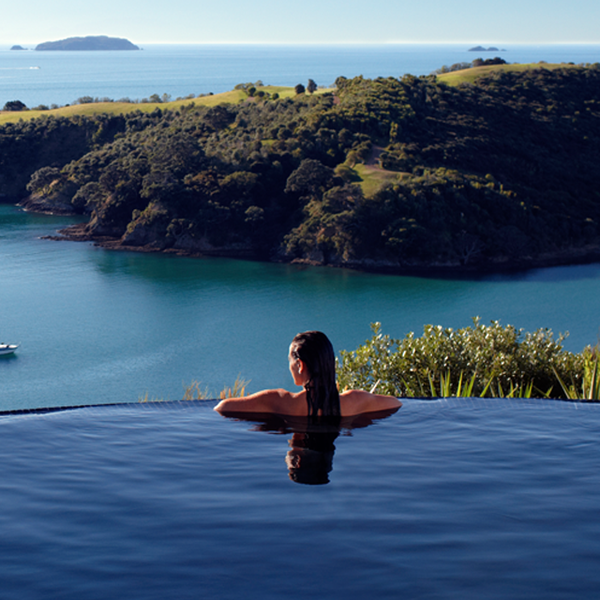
(312, 363)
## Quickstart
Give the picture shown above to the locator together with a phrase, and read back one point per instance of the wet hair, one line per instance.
(314, 349)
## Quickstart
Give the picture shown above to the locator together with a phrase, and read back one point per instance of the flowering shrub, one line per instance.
(479, 360)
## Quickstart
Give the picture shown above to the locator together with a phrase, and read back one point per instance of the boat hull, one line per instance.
(7, 349)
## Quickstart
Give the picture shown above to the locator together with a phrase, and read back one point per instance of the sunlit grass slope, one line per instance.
(373, 177)
(116, 108)
(470, 75)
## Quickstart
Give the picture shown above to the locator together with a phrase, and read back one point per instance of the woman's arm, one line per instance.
(266, 401)
(355, 402)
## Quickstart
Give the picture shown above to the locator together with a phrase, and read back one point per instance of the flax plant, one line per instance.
(588, 388)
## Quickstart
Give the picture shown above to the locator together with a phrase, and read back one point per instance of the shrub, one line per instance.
(479, 360)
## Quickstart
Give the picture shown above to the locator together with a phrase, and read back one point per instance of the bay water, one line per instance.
(99, 326)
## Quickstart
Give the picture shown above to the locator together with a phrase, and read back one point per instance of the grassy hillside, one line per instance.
(470, 75)
(387, 173)
(119, 108)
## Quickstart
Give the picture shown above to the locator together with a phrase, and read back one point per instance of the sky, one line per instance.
(305, 21)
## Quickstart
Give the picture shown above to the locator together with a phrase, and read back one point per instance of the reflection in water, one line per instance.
(310, 457)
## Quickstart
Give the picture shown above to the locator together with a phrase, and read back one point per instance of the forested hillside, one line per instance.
(385, 174)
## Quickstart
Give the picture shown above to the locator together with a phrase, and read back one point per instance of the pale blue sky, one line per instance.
(304, 21)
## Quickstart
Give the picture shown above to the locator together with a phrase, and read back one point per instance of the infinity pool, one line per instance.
(443, 499)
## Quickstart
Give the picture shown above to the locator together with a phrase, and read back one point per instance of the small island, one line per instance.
(482, 49)
(97, 42)
(17, 47)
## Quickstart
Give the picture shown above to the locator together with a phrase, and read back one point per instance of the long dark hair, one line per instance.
(314, 349)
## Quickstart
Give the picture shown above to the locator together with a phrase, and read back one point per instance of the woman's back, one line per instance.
(312, 366)
(282, 402)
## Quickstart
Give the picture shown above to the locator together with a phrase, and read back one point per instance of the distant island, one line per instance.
(92, 42)
(17, 47)
(482, 49)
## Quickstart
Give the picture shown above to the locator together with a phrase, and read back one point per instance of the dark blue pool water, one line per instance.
(444, 499)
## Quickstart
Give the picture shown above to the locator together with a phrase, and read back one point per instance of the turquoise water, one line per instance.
(62, 77)
(98, 326)
(456, 499)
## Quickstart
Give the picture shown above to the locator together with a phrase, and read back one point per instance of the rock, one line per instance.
(54, 200)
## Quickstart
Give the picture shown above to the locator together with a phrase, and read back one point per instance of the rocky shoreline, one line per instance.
(575, 256)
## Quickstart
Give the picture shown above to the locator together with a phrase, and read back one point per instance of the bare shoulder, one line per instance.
(354, 402)
(266, 401)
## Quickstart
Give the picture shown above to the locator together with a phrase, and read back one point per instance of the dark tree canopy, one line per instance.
(388, 173)
(14, 105)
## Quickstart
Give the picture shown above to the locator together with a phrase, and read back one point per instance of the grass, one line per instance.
(117, 108)
(193, 391)
(372, 177)
(470, 75)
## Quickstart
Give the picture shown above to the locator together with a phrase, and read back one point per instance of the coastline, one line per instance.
(587, 254)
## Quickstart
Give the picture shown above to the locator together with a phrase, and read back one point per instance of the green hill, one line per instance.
(474, 73)
(388, 174)
(122, 108)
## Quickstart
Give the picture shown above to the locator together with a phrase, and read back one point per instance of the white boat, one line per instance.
(8, 348)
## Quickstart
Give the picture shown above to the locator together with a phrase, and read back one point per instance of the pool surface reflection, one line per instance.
(444, 499)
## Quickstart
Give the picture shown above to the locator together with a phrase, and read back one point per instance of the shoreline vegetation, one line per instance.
(490, 167)
(485, 361)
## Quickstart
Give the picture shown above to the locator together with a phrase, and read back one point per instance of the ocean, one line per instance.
(46, 78)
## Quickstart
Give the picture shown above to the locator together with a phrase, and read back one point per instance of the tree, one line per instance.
(42, 178)
(311, 177)
(17, 105)
(311, 87)
(340, 82)
(300, 89)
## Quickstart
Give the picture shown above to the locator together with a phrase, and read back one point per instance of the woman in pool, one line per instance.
(312, 365)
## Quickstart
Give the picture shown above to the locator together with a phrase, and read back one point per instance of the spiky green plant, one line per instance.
(588, 386)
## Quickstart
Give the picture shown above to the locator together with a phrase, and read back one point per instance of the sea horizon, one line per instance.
(181, 70)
